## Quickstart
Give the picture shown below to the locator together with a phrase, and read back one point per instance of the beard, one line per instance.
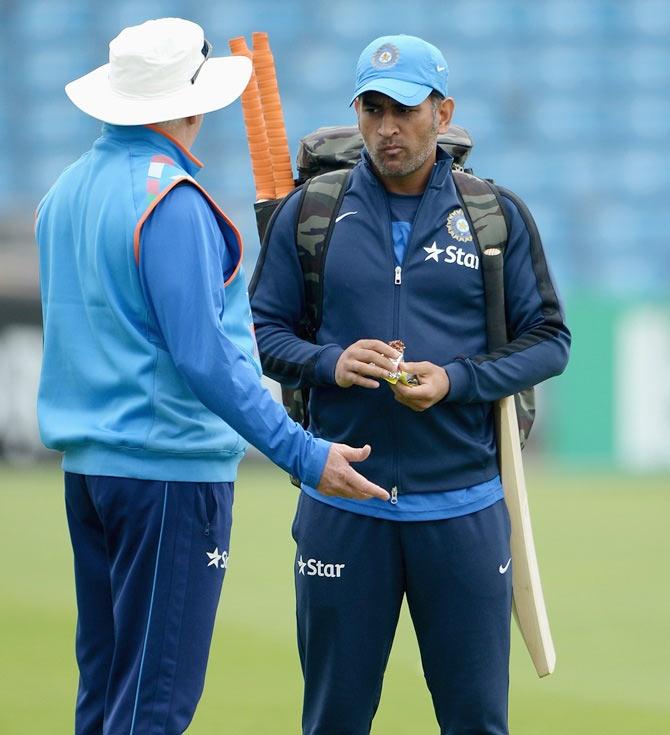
(405, 164)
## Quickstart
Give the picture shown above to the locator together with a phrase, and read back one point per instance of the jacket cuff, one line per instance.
(314, 466)
(324, 368)
(459, 382)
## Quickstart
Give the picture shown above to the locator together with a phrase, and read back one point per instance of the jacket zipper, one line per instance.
(397, 282)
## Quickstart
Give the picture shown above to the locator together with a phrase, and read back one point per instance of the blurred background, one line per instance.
(568, 104)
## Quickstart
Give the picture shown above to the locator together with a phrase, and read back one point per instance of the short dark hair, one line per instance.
(436, 99)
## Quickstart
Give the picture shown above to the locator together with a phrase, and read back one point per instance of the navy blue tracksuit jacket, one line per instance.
(434, 302)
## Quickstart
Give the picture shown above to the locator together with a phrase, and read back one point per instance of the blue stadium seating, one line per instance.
(567, 101)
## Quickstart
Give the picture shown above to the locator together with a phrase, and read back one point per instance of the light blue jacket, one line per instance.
(112, 398)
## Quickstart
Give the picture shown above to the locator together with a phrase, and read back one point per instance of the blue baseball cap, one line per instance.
(405, 68)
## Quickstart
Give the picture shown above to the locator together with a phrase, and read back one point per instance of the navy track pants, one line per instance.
(149, 561)
(351, 574)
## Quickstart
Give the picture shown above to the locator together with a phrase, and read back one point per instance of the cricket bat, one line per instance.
(528, 601)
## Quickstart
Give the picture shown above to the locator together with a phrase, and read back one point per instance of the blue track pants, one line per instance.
(351, 574)
(149, 560)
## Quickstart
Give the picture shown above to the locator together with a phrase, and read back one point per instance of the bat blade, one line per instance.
(529, 607)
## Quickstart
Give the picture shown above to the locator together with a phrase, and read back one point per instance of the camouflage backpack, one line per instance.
(325, 158)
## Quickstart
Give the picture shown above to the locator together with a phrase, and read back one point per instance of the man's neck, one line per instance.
(184, 131)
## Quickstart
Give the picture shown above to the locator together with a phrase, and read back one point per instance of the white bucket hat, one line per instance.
(159, 70)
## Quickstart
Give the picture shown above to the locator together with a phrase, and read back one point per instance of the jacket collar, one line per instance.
(156, 138)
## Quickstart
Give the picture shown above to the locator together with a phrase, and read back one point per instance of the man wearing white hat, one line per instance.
(150, 379)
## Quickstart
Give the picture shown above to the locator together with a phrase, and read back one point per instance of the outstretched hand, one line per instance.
(339, 478)
(433, 386)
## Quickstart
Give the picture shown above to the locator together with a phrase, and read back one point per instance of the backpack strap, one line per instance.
(480, 198)
(319, 204)
(321, 199)
(485, 213)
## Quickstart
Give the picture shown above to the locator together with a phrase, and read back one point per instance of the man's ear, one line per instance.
(446, 112)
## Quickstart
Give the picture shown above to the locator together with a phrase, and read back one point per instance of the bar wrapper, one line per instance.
(400, 376)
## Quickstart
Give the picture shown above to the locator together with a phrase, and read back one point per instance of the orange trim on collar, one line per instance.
(178, 143)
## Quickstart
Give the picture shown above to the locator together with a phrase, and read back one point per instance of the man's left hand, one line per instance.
(433, 386)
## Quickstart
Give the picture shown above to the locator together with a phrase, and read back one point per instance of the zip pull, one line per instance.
(398, 275)
(394, 495)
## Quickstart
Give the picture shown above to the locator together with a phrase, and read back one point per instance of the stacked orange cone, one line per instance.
(266, 75)
(264, 121)
(252, 110)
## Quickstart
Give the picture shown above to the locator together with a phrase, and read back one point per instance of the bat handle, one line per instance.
(494, 292)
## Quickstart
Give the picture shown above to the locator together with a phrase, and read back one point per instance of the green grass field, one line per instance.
(604, 550)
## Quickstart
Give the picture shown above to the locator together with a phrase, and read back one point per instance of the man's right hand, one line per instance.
(341, 479)
(364, 360)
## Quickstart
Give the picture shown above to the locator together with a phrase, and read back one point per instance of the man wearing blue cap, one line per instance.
(402, 265)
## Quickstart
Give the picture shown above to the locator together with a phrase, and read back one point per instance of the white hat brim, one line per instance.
(220, 81)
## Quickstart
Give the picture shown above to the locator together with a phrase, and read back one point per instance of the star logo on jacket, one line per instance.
(458, 227)
(452, 254)
(433, 252)
(217, 560)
